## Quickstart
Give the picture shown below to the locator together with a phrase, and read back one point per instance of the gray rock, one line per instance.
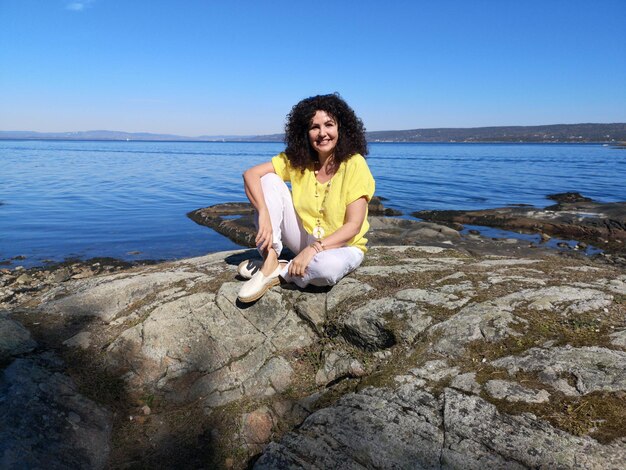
(274, 376)
(488, 321)
(338, 364)
(435, 370)
(231, 352)
(512, 391)
(491, 263)
(46, 423)
(593, 368)
(500, 278)
(417, 265)
(390, 230)
(565, 298)
(451, 277)
(81, 340)
(24, 279)
(478, 436)
(618, 285)
(466, 382)
(409, 428)
(345, 289)
(6, 294)
(312, 308)
(60, 275)
(619, 338)
(381, 323)
(106, 297)
(432, 297)
(376, 428)
(14, 338)
(177, 330)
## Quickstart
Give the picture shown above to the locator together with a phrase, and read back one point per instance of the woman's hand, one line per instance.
(298, 265)
(264, 235)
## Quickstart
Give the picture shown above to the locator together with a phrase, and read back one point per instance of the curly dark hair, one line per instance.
(351, 137)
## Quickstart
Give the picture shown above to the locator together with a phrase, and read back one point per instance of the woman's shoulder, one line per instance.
(282, 160)
(355, 161)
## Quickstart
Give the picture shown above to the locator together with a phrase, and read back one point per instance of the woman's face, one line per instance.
(323, 133)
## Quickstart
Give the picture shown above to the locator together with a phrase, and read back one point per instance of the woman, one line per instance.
(324, 219)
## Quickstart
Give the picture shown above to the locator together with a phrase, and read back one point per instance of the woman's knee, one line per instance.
(327, 272)
(271, 180)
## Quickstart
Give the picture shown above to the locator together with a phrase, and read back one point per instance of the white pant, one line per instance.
(327, 267)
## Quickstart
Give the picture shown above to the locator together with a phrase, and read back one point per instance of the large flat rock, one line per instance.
(425, 357)
(410, 428)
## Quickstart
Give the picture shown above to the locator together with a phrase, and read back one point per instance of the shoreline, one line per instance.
(609, 143)
(579, 230)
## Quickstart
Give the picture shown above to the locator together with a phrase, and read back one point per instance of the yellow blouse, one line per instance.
(352, 180)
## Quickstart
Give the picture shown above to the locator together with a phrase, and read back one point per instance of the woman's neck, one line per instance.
(325, 161)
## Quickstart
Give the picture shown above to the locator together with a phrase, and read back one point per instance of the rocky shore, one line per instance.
(441, 351)
(573, 217)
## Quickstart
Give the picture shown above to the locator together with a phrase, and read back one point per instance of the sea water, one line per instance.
(128, 200)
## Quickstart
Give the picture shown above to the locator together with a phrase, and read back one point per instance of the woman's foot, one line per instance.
(265, 278)
(250, 267)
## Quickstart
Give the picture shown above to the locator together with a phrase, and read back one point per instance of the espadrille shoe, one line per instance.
(250, 267)
(254, 288)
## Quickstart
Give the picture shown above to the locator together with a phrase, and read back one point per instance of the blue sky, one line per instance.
(210, 67)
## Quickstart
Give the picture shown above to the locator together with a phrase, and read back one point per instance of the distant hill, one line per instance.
(106, 135)
(552, 133)
(578, 133)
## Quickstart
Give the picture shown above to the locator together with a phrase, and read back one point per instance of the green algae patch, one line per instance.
(416, 253)
(599, 415)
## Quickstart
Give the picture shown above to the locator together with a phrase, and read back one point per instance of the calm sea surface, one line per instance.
(128, 200)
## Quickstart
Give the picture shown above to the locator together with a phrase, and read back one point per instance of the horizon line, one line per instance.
(223, 136)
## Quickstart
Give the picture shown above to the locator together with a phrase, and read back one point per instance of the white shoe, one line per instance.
(254, 288)
(249, 268)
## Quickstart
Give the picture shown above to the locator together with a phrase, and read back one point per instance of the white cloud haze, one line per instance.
(78, 6)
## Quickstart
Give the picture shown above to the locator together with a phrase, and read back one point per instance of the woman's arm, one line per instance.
(353, 221)
(252, 187)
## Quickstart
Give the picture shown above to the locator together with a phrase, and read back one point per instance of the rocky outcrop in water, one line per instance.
(235, 220)
(573, 217)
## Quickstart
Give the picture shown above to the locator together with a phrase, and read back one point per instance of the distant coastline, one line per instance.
(611, 133)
